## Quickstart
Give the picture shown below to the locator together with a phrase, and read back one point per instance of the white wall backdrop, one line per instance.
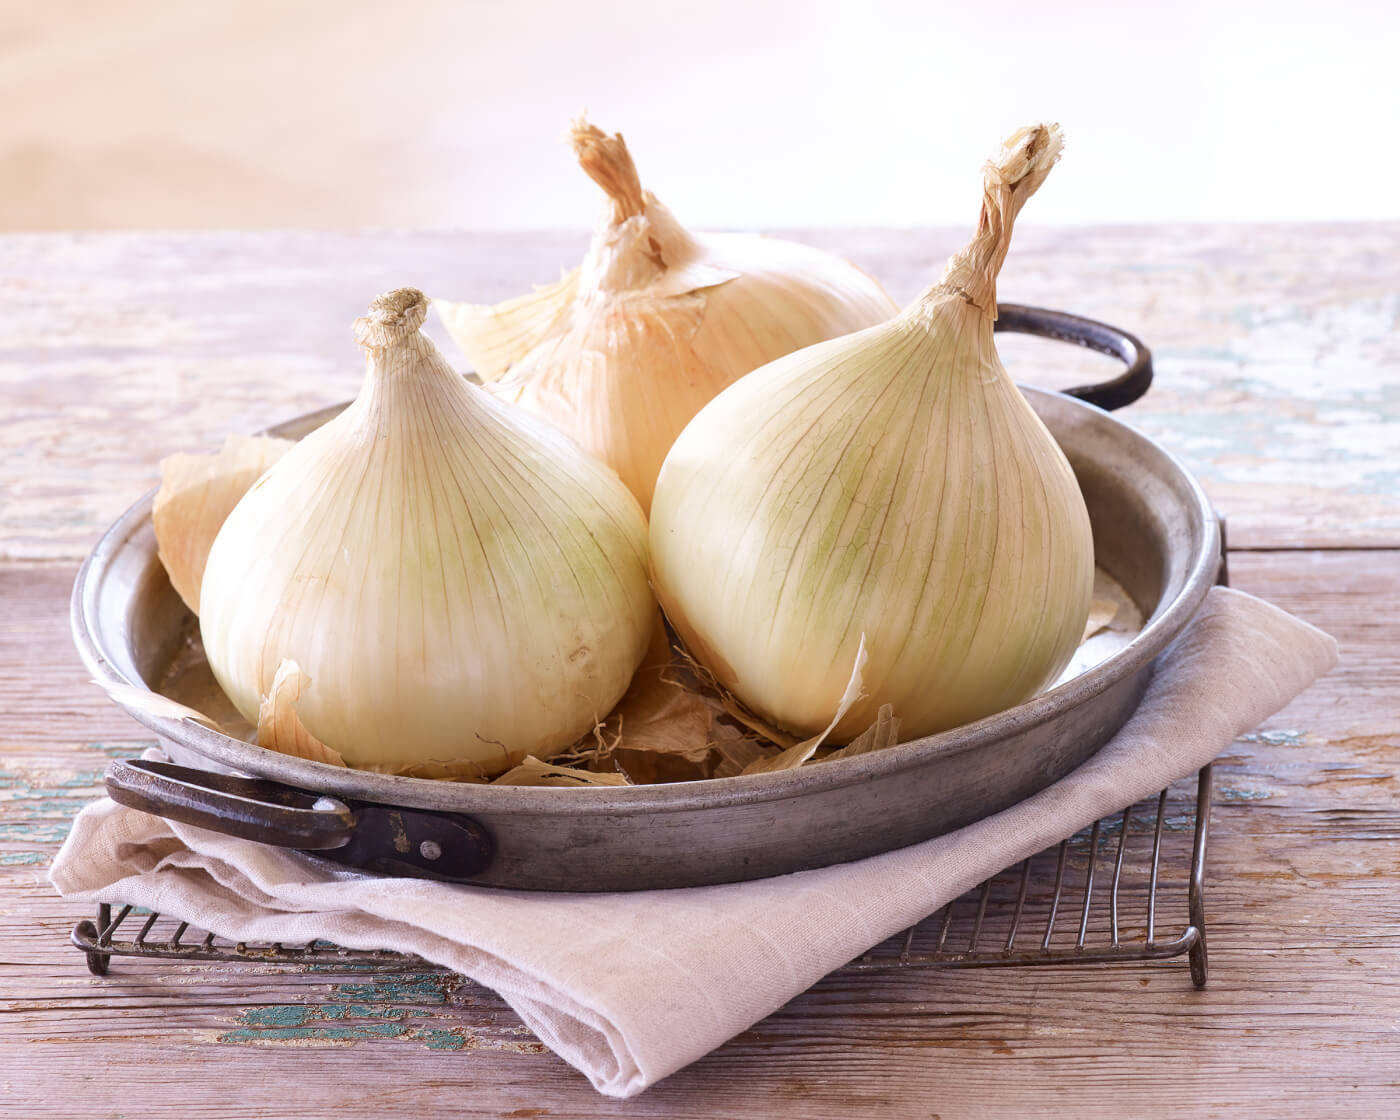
(744, 113)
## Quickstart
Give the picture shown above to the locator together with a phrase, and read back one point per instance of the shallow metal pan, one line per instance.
(1154, 532)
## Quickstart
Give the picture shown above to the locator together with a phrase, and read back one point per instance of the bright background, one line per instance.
(428, 113)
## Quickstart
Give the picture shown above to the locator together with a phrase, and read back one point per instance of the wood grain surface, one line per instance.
(1279, 384)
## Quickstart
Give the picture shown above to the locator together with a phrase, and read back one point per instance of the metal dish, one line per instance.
(1154, 532)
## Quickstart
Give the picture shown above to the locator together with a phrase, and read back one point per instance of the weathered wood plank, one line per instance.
(1302, 1012)
(1279, 390)
(1278, 357)
(44, 687)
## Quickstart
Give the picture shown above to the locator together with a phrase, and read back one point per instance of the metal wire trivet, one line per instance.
(1008, 920)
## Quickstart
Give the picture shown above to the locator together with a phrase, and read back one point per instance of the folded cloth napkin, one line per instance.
(631, 987)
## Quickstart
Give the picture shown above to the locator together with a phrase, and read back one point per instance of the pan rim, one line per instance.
(1165, 623)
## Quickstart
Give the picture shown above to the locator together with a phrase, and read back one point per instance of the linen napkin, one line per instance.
(630, 987)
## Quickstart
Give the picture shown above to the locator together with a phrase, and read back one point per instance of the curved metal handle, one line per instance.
(381, 838)
(249, 808)
(1122, 390)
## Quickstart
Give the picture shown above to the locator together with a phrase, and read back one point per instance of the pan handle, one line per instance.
(361, 834)
(1122, 390)
(249, 808)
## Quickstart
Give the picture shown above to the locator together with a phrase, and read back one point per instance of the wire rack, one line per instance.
(1099, 896)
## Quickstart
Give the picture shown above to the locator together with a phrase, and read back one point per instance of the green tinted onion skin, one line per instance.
(892, 483)
(458, 579)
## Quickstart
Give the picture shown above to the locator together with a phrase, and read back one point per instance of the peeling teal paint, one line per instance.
(303, 1014)
(1282, 738)
(433, 1038)
(1244, 315)
(317, 1033)
(121, 750)
(287, 1015)
(1230, 445)
(61, 797)
(1386, 481)
(41, 807)
(84, 779)
(1199, 354)
(442, 1040)
(432, 988)
(42, 802)
(37, 832)
(1141, 827)
(362, 1011)
(380, 1008)
(45, 809)
(1229, 793)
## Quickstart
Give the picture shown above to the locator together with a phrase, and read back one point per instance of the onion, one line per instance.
(893, 484)
(626, 349)
(455, 580)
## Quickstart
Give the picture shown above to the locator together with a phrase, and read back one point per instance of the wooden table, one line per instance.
(1278, 362)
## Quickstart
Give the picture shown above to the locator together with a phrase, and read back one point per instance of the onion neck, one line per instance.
(392, 318)
(1008, 180)
(639, 240)
(403, 369)
(637, 253)
(606, 160)
(942, 313)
